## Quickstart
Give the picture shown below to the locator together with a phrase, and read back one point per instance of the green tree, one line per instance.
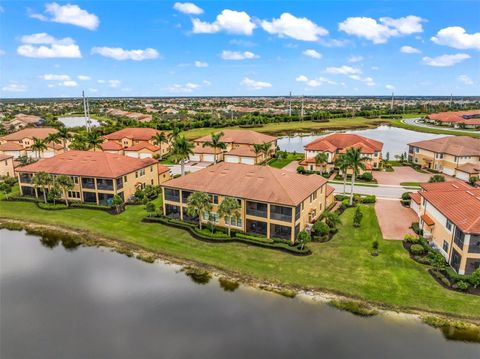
(229, 208)
(66, 184)
(198, 203)
(357, 217)
(42, 180)
(38, 146)
(216, 143)
(320, 228)
(117, 201)
(302, 238)
(332, 219)
(472, 180)
(150, 208)
(6, 188)
(356, 163)
(158, 139)
(79, 142)
(343, 165)
(181, 150)
(94, 140)
(436, 179)
(52, 138)
(320, 160)
(475, 278)
(64, 136)
(54, 192)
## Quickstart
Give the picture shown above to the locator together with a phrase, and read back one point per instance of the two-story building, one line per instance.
(274, 203)
(97, 176)
(335, 145)
(7, 168)
(136, 142)
(457, 156)
(449, 214)
(239, 148)
(19, 143)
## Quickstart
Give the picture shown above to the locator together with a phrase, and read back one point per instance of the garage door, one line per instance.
(194, 157)
(463, 176)
(131, 154)
(208, 158)
(145, 155)
(448, 171)
(248, 160)
(48, 154)
(232, 159)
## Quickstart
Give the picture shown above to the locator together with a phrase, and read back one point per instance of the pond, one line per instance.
(394, 139)
(88, 302)
(76, 121)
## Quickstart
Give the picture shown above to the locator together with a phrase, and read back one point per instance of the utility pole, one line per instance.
(391, 105)
(290, 105)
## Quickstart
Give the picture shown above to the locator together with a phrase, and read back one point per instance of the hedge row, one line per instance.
(60, 205)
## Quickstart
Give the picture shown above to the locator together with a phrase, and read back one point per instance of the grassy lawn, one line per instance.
(399, 123)
(410, 184)
(343, 265)
(280, 163)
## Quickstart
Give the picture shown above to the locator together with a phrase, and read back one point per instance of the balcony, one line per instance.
(474, 246)
(105, 184)
(281, 213)
(172, 195)
(119, 183)
(88, 183)
(25, 178)
(257, 209)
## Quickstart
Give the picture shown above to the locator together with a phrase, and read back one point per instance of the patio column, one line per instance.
(268, 220)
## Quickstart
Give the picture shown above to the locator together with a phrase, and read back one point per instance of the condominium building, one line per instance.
(19, 143)
(335, 145)
(239, 148)
(467, 119)
(97, 176)
(449, 214)
(274, 203)
(6, 166)
(135, 142)
(457, 156)
(21, 121)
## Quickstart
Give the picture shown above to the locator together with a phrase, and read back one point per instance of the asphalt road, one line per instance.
(415, 122)
(391, 192)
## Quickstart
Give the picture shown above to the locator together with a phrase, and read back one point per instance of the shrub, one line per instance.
(301, 169)
(406, 196)
(462, 285)
(320, 228)
(410, 238)
(302, 238)
(416, 228)
(441, 277)
(475, 278)
(367, 176)
(356, 308)
(369, 199)
(375, 245)
(436, 178)
(417, 249)
(357, 217)
(436, 260)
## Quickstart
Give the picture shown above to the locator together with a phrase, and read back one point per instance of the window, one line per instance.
(212, 217)
(449, 225)
(213, 198)
(75, 179)
(417, 150)
(459, 238)
(235, 221)
(314, 195)
(124, 178)
(151, 168)
(445, 246)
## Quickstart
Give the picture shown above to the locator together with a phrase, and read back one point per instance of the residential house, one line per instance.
(449, 214)
(6, 166)
(239, 148)
(19, 143)
(274, 203)
(335, 145)
(164, 174)
(458, 119)
(97, 176)
(135, 142)
(457, 156)
(21, 121)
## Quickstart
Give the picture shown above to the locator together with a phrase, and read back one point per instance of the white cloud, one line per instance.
(238, 55)
(2, 53)
(53, 77)
(101, 81)
(68, 14)
(42, 45)
(185, 88)
(118, 53)
(229, 21)
(314, 82)
(201, 64)
(113, 83)
(465, 79)
(296, 28)
(457, 37)
(366, 80)
(355, 58)
(380, 31)
(255, 85)
(445, 60)
(83, 77)
(312, 53)
(375, 68)
(343, 70)
(206, 82)
(409, 50)
(93, 90)
(188, 8)
(14, 86)
(69, 83)
(390, 87)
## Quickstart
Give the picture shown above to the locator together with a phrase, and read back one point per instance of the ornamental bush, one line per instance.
(417, 249)
(410, 238)
(320, 228)
(369, 199)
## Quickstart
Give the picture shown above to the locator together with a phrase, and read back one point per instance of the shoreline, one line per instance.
(87, 238)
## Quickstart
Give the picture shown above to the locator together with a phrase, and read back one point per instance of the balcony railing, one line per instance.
(256, 212)
(281, 217)
(88, 183)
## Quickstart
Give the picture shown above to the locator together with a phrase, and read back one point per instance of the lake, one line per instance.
(394, 139)
(93, 303)
(76, 121)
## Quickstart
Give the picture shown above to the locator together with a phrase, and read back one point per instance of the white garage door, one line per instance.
(208, 158)
(248, 160)
(131, 154)
(194, 157)
(48, 154)
(145, 155)
(232, 159)
(448, 171)
(463, 176)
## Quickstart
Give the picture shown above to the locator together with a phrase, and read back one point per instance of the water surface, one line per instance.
(76, 121)
(93, 303)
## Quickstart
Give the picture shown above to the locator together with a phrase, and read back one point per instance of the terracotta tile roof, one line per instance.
(40, 132)
(462, 207)
(241, 136)
(453, 145)
(457, 117)
(342, 141)
(143, 145)
(162, 169)
(446, 186)
(257, 183)
(415, 197)
(242, 152)
(134, 133)
(205, 150)
(469, 168)
(11, 146)
(111, 146)
(89, 163)
(428, 221)
(330, 190)
(5, 157)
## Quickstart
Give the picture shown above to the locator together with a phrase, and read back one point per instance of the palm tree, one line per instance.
(94, 140)
(42, 180)
(320, 159)
(182, 149)
(197, 204)
(257, 148)
(79, 142)
(64, 135)
(266, 149)
(229, 208)
(38, 146)
(52, 138)
(215, 143)
(356, 163)
(66, 184)
(342, 164)
(174, 134)
(158, 139)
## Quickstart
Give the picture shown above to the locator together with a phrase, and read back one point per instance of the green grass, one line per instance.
(343, 265)
(280, 163)
(399, 123)
(410, 184)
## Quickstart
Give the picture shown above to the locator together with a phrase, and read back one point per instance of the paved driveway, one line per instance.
(291, 167)
(399, 175)
(394, 219)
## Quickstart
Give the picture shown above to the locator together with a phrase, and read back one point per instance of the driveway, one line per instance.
(394, 219)
(291, 167)
(399, 175)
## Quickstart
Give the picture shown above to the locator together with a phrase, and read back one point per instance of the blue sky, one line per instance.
(163, 48)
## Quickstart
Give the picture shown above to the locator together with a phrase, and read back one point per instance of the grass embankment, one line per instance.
(399, 123)
(410, 184)
(280, 163)
(343, 265)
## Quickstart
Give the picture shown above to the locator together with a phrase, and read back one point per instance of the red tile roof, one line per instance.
(428, 221)
(453, 145)
(89, 163)
(342, 141)
(469, 168)
(11, 146)
(162, 169)
(40, 132)
(248, 137)
(242, 152)
(206, 150)
(5, 157)
(445, 186)
(457, 117)
(111, 146)
(133, 133)
(143, 145)
(415, 197)
(330, 190)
